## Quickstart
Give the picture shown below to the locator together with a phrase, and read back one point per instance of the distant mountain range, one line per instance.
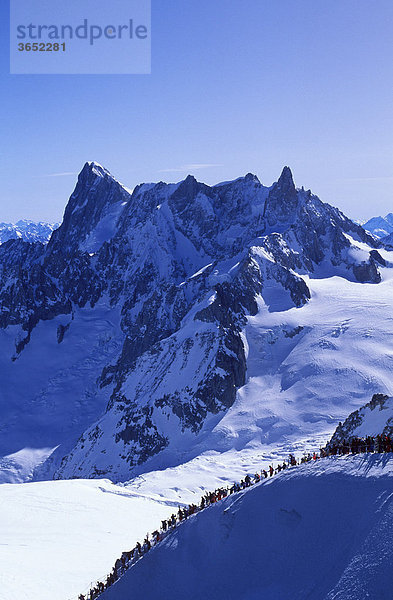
(28, 231)
(380, 226)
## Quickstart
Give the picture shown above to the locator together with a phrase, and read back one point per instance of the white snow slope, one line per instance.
(57, 536)
(321, 531)
(373, 421)
(308, 367)
(49, 395)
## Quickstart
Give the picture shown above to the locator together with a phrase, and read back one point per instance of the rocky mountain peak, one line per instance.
(184, 196)
(188, 188)
(94, 167)
(91, 176)
(282, 201)
(97, 195)
(250, 177)
(286, 178)
(190, 180)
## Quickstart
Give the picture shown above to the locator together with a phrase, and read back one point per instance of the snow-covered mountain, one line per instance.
(28, 231)
(321, 531)
(181, 319)
(374, 418)
(380, 226)
(387, 241)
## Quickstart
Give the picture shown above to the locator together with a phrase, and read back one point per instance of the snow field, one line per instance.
(59, 536)
(320, 531)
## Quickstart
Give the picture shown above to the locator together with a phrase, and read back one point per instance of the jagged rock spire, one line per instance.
(286, 178)
(282, 201)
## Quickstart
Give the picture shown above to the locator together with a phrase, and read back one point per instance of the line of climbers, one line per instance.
(378, 444)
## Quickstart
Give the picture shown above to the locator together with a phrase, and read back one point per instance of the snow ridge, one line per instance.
(355, 494)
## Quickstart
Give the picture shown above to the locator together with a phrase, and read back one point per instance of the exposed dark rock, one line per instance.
(61, 331)
(367, 272)
(375, 255)
(282, 201)
(345, 431)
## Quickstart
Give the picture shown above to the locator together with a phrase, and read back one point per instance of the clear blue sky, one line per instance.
(236, 86)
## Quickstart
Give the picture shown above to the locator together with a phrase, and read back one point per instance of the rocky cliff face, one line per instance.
(183, 266)
(374, 418)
